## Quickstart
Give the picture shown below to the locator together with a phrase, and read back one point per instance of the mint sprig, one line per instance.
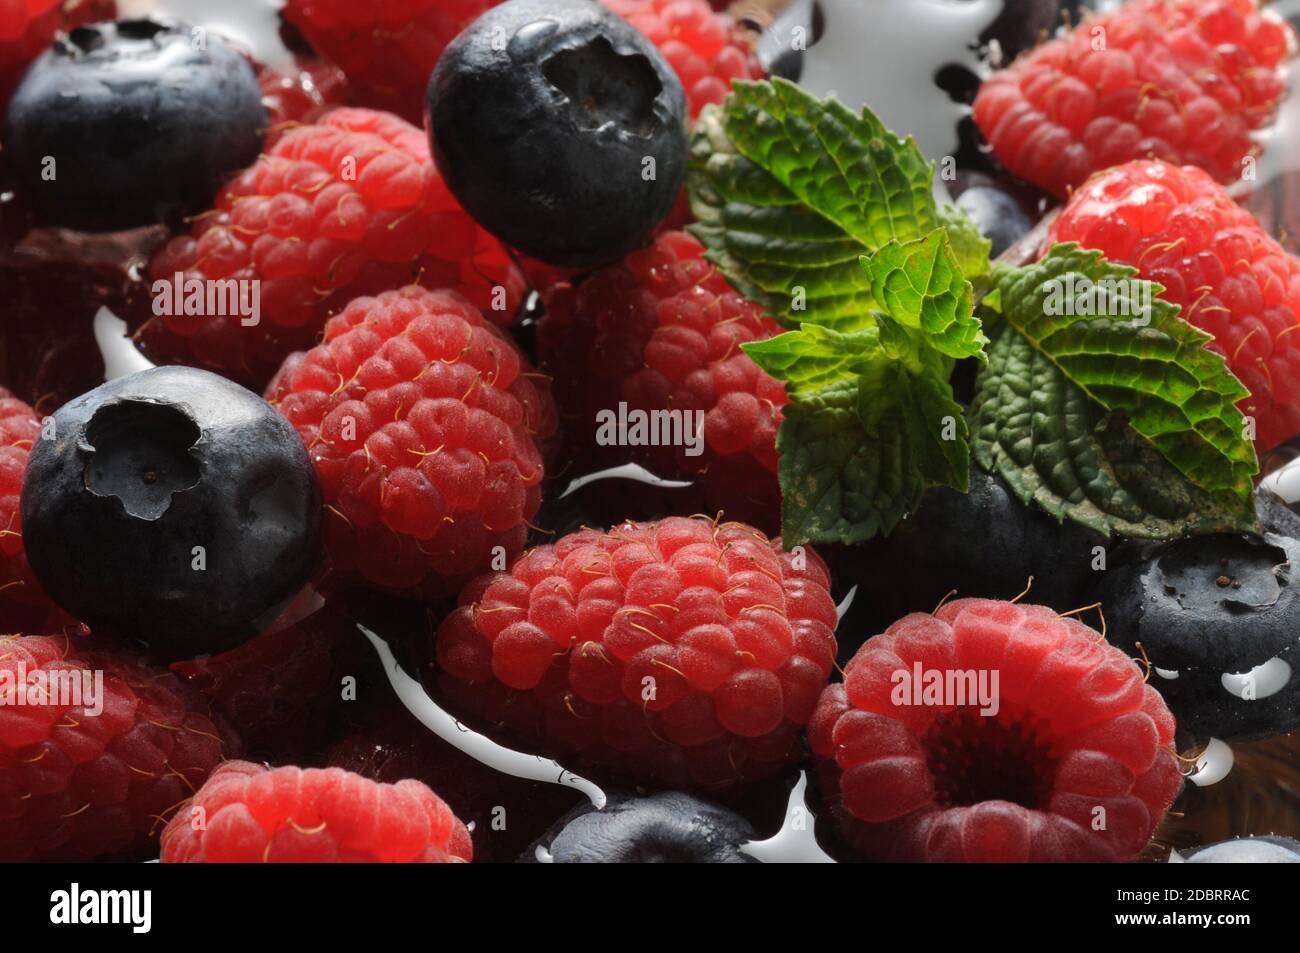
(1099, 403)
(827, 220)
(790, 191)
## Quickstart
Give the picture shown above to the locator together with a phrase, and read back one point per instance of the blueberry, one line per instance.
(1020, 25)
(172, 508)
(996, 214)
(560, 128)
(1265, 849)
(669, 827)
(131, 123)
(1219, 618)
(983, 543)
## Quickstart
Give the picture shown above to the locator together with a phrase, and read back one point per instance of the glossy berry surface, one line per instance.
(171, 507)
(663, 828)
(95, 775)
(1229, 275)
(560, 128)
(1181, 80)
(130, 123)
(423, 422)
(682, 653)
(256, 814)
(1217, 618)
(1018, 773)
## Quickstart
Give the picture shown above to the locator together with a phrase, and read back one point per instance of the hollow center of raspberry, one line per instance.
(603, 86)
(976, 758)
(140, 454)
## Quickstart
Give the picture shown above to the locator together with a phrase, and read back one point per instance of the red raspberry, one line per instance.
(1231, 278)
(1076, 730)
(662, 330)
(681, 653)
(282, 690)
(76, 785)
(701, 46)
(421, 419)
(348, 206)
(22, 600)
(248, 813)
(386, 49)
(1183, 80)
(27, 27)
(301, 94)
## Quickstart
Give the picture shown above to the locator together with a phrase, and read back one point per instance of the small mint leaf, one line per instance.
(920, 286)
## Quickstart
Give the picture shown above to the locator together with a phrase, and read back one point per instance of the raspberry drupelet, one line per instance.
(255, 814)
(1071, 761)
(662, 330)
(87, 776)
(1181, 80)
(682, 653)
(422, 420)
(347, 206)
(1232, 279)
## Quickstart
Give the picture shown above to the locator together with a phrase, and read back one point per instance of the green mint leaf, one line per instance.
(920, 286)
(790, 190)
(1102, 405)
(814, 357)
(857, 455)
(968, 245)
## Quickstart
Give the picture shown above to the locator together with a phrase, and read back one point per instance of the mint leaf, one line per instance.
(921, 286)
(857, 455)
(790, 190)
(968, 245)
(1102, 405)
(814, 357)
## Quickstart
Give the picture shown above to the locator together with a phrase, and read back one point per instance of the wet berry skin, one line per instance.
(140, 123)
(171, 507)
(544, 117)
(664, 828)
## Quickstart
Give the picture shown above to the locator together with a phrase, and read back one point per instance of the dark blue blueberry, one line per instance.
(1219, 618)
(544, 117)
(984, 543)
(171, 508)
(130, 123)
(1021, 24)
(997, 215)
(665, 828)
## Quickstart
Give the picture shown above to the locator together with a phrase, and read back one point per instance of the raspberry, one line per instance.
(682, 653)
(281, 689)
(1182, 80)
(348, 206)
(420, 418)
(21, 596)
(27, 27)
(78, 785)
(1076, 730)
(701, 46)
(662, 330)
(1230, 277)
(301, 94)
(250, 813)
(386, 49)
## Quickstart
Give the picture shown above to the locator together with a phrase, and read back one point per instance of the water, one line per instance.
(858, 61)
